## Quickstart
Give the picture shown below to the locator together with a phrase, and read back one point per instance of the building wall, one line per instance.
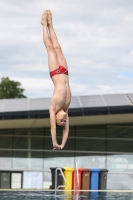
(103, 146)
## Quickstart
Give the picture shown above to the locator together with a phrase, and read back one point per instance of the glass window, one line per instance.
(5, 159)
(6, 142)
(90, 144)
(20, 131)
(120, 145)
(20, 142)
(90, 140)
(21, 159)
(47, 179)
(48, 143)
(6, 132)
(86, 160)
(120, 162)
(47, 132)
(38, 131)
(120, 182)
(28, 160)
(90, 131)
(37, 160)
(120, 131)
(58, 159)
(37, 142)
(20, 139)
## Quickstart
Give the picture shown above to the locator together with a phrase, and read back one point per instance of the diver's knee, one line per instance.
(49, 47)
(57, 46)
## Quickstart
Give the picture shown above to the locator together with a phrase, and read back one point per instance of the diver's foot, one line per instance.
(44, 18)
(49, 17)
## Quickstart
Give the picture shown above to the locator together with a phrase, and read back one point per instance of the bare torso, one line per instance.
(62, 94)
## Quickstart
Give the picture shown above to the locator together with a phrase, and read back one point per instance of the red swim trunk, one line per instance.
(60, 70)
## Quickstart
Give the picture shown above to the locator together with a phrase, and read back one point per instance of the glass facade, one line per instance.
(106, 146)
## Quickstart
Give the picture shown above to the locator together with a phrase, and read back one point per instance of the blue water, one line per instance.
(50, 196)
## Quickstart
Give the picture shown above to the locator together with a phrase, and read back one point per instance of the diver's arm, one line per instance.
(53, 126)
(65, 132)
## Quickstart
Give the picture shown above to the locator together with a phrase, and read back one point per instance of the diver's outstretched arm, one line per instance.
(65, 133)
(53, 127)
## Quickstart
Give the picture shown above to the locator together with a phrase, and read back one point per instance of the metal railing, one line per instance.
(60, 186)
(76, 182)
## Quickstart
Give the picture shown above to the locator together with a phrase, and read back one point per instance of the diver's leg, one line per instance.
(52, 56)
(54, 40)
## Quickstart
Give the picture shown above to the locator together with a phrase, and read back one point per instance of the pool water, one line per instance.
(13, 195)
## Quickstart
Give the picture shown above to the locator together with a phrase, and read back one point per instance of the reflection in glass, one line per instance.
(120, 162)
(90, 160)
(5, 159)
(20, 159)
(120, 181)
(58, 159)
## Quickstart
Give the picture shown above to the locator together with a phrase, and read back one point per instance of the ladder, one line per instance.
(60, 186)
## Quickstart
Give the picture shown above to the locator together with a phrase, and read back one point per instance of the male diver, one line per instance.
(58, 68)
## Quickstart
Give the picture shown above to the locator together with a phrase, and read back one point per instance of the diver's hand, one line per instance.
(61, 146)
(56, 146)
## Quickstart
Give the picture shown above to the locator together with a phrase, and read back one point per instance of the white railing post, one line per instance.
(76, 180)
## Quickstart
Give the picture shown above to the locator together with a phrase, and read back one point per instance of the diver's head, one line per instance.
(61, 118)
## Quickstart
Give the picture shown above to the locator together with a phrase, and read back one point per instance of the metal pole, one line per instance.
(29, 149)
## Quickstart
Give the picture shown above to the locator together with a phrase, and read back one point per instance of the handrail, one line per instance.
(77, 175)
(60, 186)
(76, 181)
